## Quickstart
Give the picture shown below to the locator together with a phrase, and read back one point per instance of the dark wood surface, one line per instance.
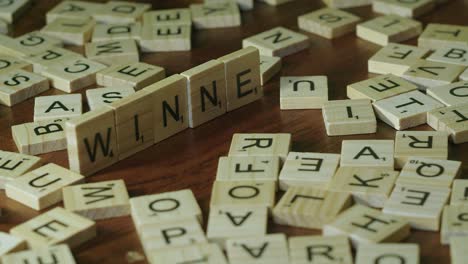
(189, 159)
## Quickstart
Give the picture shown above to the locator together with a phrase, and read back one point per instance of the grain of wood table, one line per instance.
(189, 159)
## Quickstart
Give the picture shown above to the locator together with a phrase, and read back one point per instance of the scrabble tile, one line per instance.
(303, 92)
(451, 54)
(164, 207)
(9, 244)
(103, 96)
(92, 141)
(206, 92)
(236, 222)
(423, 144)
(454, 223)
(98, 200)
(50, 57)
(414, 8)
(388, 252)
(370, 187)
(242, 73)
(73, 75)
(269, 67)
(451, 94)
(109, 51)
(308, 169)
(40, 137)
(159, 38)
(11, 10)
(58, 254)
(310, 207)
(260, 145)
(108, 32)
(435, 36)
(41, 187)
(57, 107)
(458, 251)
(5, 27)
(72, 9)
(201, 253)
(395, 58)
(133, 123)
(242, 194)
(278, 41)
(215, 15)
(8, 63)
(390, 28)
(459, 194)
(405, 110)
(276, 2)
(121, 12)
(170, 110)
(464, 75)
(349, 117)
(14, 165)
(174, 16)
(244, 5)
(364, 225)
(329, 23)
(270, 248)
(27, 44)
(248, 168)
(346, 3)
(453, 120)
(19, 85)
(433, 172)
(427, 74)
(73, 31)
(136, 75)
(54, 227)
(379, 87)
(319, 249)
(367, 153)
(421, 205)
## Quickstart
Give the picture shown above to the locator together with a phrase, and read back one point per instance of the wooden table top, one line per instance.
(189, 159)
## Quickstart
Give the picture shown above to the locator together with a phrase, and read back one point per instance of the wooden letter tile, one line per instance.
(59, 254)
(136, 75)
(428, 74)
(49, 57)
(108, 32)
(103, 96)
(260, 145)
(215, 14)
(271, 249)
(109, 51)
(11, 10)
(174, 16)
(328, 22)
(277, 41)
(451, 94)
(13, 165)
(320, 250)
(380, 87)
(310, 207)
(454, 223)
(367, 153)
(54, 107)
(306, 92)
(458, 252)
(414, 8)
(73, 31)
(18, 85)
(433, 172)
(27, 44)
(459, 192)
(248, 168)
(156, 38)
(9, 244)
(451, 54)
(201, 253)
(72, 9)
(441, 35)
(242, 194)
(453, 120)
(8, 63)
(121, 12)
(269, 67)
(346, 3)
(388, 252)
(423, 144)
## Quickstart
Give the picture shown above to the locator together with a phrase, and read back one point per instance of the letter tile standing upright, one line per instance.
(413, 8)
(427, 74)
(109, 51)
(120, 12)
(73, 31)
(260, 145)
(451, 94)
(103, 96)
(108, 32)
(423, 144)
(307, 92)
(329, 23)
(388, 252)
(17, 85)
(14, 165)
(319, 249)
(379, 87)
(453, 120)
(136, 75)
(59, 254)
(272, 248)
(215, 14)
(55, 107)
(440, 35)
(367, 153)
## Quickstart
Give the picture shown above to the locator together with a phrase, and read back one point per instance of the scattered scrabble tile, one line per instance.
(421, 205)
(174, 16)
(306, 92)
(388, 252)
(110, 51)
(451, 55)
(367, 153)
(242, 194)
(54, 227)
(40, 137)
(206, 90)
(405, 110)
(379, 87)
(433, 172)
(11, 10)
(72, 9)
(453, 120)
(458, 251)
(49, 57)
(170, 111)
(248, 168)
(58, 254)
(201, 253)
(121, 12)
(136, 75)
(8, 63)
(108, 32)
(9, 244)
(464, 75)
(454, 223)
(451, 94)
(414, 8)
(242, 71)
(27, 44)
(428, 74)
(14, 165)
(235, 222)
(328, 22)
(103, 96)
(271, 248)
(74, 31)
(215, 14)
(310, 207)
(260, 145)
(269, 66)
(244, 5)
(57, 107)
(319, 249)
(346, 3)
(41, 187)
(390, 28)
(364, 225)
(459, 194)
(278, 41)
(308, 169)
(395, 58)
(370, 187)
(435, 36)
(423, 144)
(156, 38)
(19, 85)
(92, 141)
(349, 117)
